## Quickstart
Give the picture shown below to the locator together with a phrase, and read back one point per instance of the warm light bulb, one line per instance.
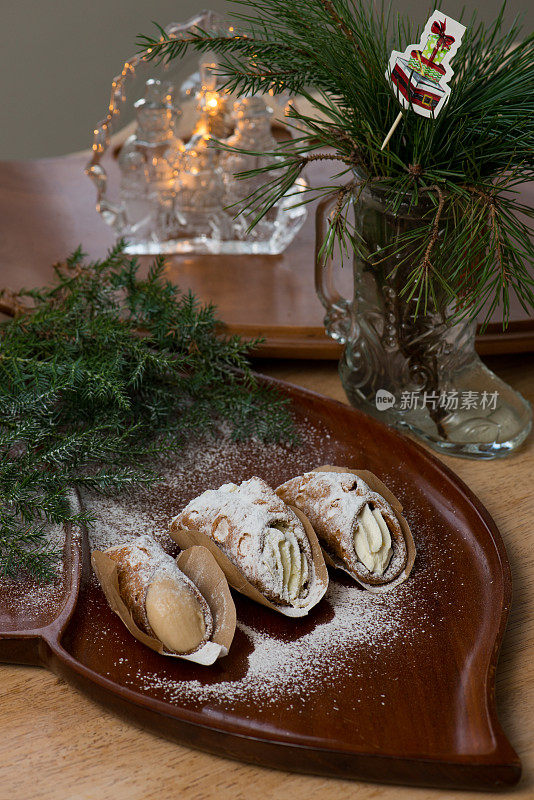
(212, 100)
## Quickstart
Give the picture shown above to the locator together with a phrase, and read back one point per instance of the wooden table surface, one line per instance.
(56, 744)
(47, 208)
(59, 745)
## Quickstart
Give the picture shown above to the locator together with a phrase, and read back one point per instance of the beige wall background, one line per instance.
(58, 57)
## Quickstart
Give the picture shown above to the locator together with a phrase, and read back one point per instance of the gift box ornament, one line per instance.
(438, 43)
(420, 75)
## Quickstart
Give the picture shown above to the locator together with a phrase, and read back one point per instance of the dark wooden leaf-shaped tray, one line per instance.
(396, 688)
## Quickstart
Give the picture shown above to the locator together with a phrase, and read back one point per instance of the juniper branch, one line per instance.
(103, 374)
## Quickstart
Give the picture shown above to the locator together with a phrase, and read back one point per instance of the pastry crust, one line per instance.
(260, 535)
(334, 502)
(142, 564)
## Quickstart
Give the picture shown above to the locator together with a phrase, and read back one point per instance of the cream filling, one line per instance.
(175, 615)
(372, 540)
(286, 563)
(283, 558)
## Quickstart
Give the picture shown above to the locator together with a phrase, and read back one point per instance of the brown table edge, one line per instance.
(312, 342)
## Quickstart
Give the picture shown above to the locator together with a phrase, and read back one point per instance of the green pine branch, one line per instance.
(481, 145)
(107, 372)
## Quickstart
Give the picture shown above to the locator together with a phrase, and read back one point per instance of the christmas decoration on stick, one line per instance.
(486, 256)
(419, 76)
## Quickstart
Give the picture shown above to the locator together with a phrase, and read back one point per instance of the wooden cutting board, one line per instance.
(396, 688)
(47, 208)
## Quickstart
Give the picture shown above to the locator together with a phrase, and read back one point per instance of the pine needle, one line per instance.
(335, 54)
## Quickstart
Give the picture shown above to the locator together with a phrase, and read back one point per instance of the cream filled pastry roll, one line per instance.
(264, 539)
(163, 602)
(358, 528)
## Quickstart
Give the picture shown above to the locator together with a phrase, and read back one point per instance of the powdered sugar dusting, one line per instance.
(352, 648)
(333, 502)
(27, 596)
(333, 494)
(30, 603)
(248, 521)
(147, 558)
(299, 667)
(345, 638)
(203, 464)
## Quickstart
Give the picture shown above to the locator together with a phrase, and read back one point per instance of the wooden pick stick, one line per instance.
(391, 130)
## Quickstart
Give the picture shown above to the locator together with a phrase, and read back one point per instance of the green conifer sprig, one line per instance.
(475, 154)
(104, 373)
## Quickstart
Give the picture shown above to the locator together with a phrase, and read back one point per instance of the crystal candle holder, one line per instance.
(179, 195)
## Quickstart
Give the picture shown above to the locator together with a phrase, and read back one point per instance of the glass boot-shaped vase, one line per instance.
(420, 374)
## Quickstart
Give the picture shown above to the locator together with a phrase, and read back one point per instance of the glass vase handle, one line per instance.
(337, 320)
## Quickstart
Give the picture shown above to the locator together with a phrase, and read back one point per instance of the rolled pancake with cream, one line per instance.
(358, 529)
(163, 602)
(260, 535)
